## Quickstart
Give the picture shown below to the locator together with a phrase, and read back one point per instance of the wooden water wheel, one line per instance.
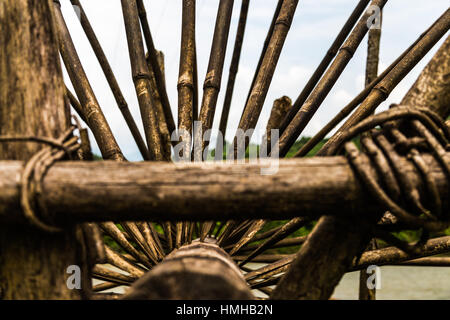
(236, 254)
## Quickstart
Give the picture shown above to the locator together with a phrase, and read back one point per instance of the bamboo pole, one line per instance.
(33, 263)
(159, 111)
(264, 49)
(232, 73)
(186, 91)
(392, 255)
(153, 59)
(326, 83)
(280, 109)
(142, 79)
(186, 74)
(321, 68)
(288, 242)
(211, 87)
(213, 78)
(92, 111)
(106, 274)
(265, 73)
(118, 96)
(112, 230)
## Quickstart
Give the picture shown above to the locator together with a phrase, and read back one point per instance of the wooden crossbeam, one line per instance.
(108, 190)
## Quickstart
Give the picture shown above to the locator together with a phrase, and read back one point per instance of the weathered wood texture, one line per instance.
(372, 60)
(328, 251)
(32, 263)
(195, 271)
(432, 88)
(392, 255)
(234, 66)
(80, 191)
(266, 70)
(280, 108)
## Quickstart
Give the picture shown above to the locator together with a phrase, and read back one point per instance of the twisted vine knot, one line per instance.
(31, 191)
(387, 144)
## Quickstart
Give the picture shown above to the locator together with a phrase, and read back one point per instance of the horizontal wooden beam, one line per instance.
(152, 191)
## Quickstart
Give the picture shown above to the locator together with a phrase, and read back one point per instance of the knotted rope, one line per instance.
(35, 170)
(387, 147)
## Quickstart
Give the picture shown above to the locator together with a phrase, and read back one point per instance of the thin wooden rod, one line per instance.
(264, 49)
(75, 104)
(186, 93)
(213, 78)
(142, 79)
(106, 274)
(326, 83)
(285, 231)
(308, 146)
(233, 72)
(392, 255)
(280, 108)
(382, 90)
(288, 242)
(186, 74)
(195, 98)
(153, 59)
(322, 67)
(117, 92)
(112, 230)
(250, 232)
(159, 111)
(265, 73)
(266, 258)
(93, 113)
(108, 190)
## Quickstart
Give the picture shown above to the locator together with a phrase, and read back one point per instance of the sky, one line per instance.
(316, 24)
